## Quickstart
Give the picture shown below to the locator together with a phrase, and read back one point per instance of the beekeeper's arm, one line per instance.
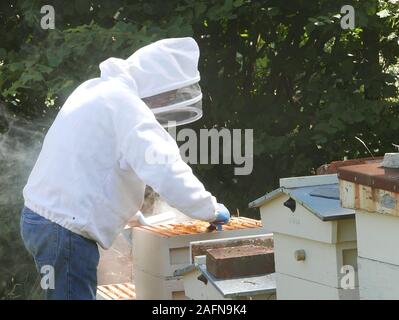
(154, 156)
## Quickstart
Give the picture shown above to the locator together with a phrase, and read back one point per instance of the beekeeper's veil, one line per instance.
(166, 76)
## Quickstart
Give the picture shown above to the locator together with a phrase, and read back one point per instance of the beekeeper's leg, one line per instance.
(67, 262)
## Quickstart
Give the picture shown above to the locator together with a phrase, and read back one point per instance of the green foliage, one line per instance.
(284, 68)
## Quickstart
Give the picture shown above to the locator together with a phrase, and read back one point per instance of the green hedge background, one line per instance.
(283, 68)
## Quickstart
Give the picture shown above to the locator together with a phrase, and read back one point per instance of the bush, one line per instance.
(283, 68)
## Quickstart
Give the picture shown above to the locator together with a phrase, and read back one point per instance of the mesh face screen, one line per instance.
(180, 116)
(173, 97)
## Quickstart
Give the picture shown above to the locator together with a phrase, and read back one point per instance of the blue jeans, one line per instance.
(67, 262)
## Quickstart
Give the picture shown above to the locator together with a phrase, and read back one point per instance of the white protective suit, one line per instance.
(92, 170)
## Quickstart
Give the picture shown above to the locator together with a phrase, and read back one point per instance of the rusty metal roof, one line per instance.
(334, 165)
(372, 175)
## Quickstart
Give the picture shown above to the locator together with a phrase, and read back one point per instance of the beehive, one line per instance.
(160, 250)
(373, 191)
(194, 286)
(314, 238)
(253, 288)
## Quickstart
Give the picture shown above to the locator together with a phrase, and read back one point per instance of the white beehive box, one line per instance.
(373, 192)
(197, 289)
(200, 285)
(313, 241)
(310, 290)
(160, 250)
(149, 287)
(378, 280)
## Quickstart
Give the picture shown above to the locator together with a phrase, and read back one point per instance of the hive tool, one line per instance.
(214, 226)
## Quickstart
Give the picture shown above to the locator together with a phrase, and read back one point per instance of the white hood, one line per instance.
(159, 67)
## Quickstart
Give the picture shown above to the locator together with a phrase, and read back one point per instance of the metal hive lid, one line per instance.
(372, 175)
(321, 200)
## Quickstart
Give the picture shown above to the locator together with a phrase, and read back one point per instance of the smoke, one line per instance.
(154, 204)
(20, 143)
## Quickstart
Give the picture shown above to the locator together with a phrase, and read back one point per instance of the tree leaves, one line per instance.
(286, 69)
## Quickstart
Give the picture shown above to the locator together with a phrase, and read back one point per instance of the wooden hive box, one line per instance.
(372, 191)
(199, 284)
(160, 250)
(314, 238)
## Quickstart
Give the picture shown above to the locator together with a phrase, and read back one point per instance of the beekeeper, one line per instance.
(98, 156)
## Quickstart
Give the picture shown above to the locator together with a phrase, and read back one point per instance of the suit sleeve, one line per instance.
(154, 156)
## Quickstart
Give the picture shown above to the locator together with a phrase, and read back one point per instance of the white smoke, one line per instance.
(154, 204)
(20, 143)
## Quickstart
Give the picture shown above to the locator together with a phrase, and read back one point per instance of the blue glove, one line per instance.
(222, 215)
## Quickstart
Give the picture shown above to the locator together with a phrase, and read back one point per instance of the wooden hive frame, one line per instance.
(195, 227)
(119, 291)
